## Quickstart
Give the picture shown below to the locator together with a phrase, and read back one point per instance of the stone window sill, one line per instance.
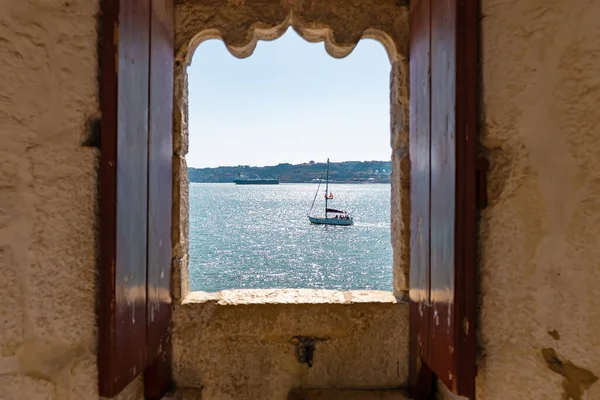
(291, 296)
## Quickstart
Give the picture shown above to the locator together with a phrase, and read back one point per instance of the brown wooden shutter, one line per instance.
(135, 208)
(124, 190)
(443, 287)
(158, 374)
(420, 194)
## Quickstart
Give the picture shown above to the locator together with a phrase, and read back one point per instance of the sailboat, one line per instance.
(332, 216)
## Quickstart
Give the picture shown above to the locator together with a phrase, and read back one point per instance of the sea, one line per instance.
(259, 237)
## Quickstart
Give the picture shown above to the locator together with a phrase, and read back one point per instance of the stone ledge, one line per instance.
(290, 296)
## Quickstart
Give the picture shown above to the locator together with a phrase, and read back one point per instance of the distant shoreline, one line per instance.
(354, 172)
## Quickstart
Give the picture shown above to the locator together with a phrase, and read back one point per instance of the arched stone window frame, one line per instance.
(340, 24)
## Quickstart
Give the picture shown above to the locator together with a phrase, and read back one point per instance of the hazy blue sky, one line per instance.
(289, 101)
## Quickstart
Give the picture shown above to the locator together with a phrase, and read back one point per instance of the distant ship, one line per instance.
(240, 180)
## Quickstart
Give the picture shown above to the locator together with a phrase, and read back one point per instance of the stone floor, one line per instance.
(313, 394)
(332, 394)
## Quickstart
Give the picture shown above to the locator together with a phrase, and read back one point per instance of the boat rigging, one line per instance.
(337, 217)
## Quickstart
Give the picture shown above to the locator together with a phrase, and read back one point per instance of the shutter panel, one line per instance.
(420, 151)
(450, 328)
(123, 205)
(467, 212)
(443, 194)
(160, 153)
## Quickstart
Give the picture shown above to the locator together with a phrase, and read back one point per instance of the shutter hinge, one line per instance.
(481, 168)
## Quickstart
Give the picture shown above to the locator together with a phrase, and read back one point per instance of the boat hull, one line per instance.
(330, 221)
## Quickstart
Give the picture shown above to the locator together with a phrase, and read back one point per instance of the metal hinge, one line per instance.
(482, 167)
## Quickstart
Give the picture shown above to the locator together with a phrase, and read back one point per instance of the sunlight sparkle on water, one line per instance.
(256, 237)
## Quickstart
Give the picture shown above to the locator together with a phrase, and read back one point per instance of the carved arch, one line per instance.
(341, 24)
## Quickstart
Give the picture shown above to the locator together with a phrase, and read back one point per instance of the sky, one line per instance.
(289, 102)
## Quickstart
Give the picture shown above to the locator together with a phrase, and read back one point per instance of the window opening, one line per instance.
(288, 108)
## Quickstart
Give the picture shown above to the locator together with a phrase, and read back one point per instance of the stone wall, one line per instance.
(241, 344)
(540, 236)
(49, 114)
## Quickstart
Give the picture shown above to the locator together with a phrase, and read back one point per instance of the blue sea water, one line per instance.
(255, 237)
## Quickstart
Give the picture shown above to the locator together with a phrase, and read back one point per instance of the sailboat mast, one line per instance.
(326, 187)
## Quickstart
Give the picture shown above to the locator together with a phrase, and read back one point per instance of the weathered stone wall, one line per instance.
(400, 197)
(240, 344)
(540, 236)
(48, 200)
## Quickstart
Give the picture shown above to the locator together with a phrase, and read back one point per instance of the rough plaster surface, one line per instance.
(48, 101)
(340, 24)
(540, 236)
(240, 344)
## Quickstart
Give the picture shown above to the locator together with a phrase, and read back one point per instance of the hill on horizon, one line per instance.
(345, 171)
